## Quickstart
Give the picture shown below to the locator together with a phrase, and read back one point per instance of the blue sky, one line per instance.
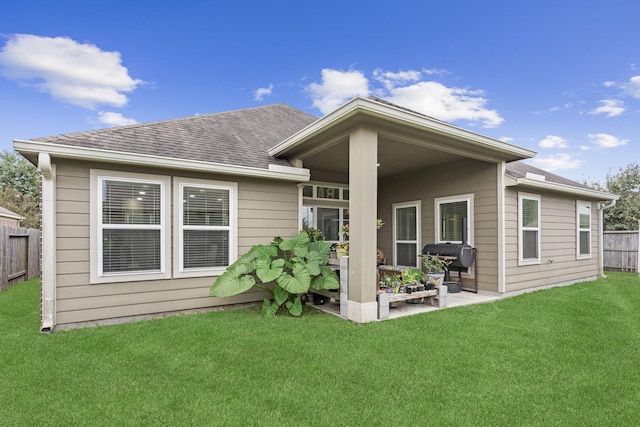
(558, 77)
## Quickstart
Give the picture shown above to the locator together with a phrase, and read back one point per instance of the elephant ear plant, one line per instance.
(285, 268)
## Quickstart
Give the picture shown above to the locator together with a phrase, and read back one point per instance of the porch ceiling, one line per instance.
(395, 157)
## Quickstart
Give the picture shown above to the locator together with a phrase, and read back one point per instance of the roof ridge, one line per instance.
(166, 121)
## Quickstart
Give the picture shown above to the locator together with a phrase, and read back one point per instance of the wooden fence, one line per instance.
(621, 250)
(19, 255)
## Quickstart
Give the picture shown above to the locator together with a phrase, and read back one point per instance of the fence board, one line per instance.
(19, 255)
(621, 250)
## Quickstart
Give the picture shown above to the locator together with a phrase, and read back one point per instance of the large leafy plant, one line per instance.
(285, 268)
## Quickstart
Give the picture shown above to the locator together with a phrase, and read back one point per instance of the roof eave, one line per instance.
(387, 112)
(82, 153)
(564, 188)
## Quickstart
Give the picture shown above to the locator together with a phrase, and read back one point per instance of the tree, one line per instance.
(626, 213)
(20, 188)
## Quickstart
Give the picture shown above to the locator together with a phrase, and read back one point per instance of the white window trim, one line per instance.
(579, 204)
(341, 210)
(417, 204)
(96, 176)
(469, 198)
(178, 236)
(315, 184)
(521, 229)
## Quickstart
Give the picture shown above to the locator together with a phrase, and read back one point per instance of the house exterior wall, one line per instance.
(266, 208)
(460, 178)
(558, 240)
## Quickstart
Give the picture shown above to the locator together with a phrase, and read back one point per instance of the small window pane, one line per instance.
(130, 202)
(307, 191)
(585, 247)
(328, 193)
(529, 213)
(206, 248)
(329, 223)
(407, 255)
(130, 250)
(406, 222)
(451, 216)
(529, 244)
(345, 194)
(205, 206)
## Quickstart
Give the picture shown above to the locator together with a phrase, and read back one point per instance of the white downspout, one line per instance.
(602, 206)
(502, 256)
(48, 171)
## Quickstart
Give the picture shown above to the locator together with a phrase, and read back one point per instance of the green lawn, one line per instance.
(567, 356)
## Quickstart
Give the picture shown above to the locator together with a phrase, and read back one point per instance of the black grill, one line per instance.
(462, 252)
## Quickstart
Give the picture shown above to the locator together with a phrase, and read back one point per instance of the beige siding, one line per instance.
(266, 208)
(479, 179)
(558, 237)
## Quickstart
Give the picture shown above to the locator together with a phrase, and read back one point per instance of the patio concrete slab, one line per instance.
(405, 309)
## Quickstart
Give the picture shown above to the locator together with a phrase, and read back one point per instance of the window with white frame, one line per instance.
(452, 213)
(129, 226)
(529, 228)
(583, 221)
(406, 233)
(326, 219)
(325, 207)
(204, 226)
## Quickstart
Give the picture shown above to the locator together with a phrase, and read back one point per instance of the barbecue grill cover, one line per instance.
(463, 252)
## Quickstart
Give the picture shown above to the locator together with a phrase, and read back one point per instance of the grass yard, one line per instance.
(567, 356)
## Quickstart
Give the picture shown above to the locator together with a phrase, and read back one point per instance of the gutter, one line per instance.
(564, 188)
(286, 173)
(48, 285)
(602, 206)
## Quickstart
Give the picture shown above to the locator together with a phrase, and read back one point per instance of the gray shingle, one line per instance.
(520, 169)
(240, 137)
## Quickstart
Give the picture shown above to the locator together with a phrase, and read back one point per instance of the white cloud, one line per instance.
(406, 89)
(506, 139)
(606, 141)
(337, 88)
(432, 71)
(556, 162)
(609, 107)
(609, 84)
(446, 103)
(75, 73)
(390, 79)
(632, 87)
(552, 141)
(260, 93)
(115, 119)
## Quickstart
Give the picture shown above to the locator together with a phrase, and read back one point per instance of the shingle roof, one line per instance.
(240, 137)
(7, 213)
(519, 170)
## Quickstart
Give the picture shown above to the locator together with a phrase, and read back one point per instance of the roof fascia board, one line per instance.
(563, 188)
(11, 215)
(83, 153)
(397, 115)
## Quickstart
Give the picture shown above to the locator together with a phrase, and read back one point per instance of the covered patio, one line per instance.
(332, 306)
(390, 158)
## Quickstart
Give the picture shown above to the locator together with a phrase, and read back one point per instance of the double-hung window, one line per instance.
(452, 215)
(129, 227)
(583, 221)
(529, 228)
(204, 223)
(406, 233)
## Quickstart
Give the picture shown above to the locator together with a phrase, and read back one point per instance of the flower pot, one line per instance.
(435, 279)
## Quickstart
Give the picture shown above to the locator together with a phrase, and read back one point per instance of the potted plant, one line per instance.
(435, 268)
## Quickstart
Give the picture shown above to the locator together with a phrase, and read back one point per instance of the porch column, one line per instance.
(363, 200)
